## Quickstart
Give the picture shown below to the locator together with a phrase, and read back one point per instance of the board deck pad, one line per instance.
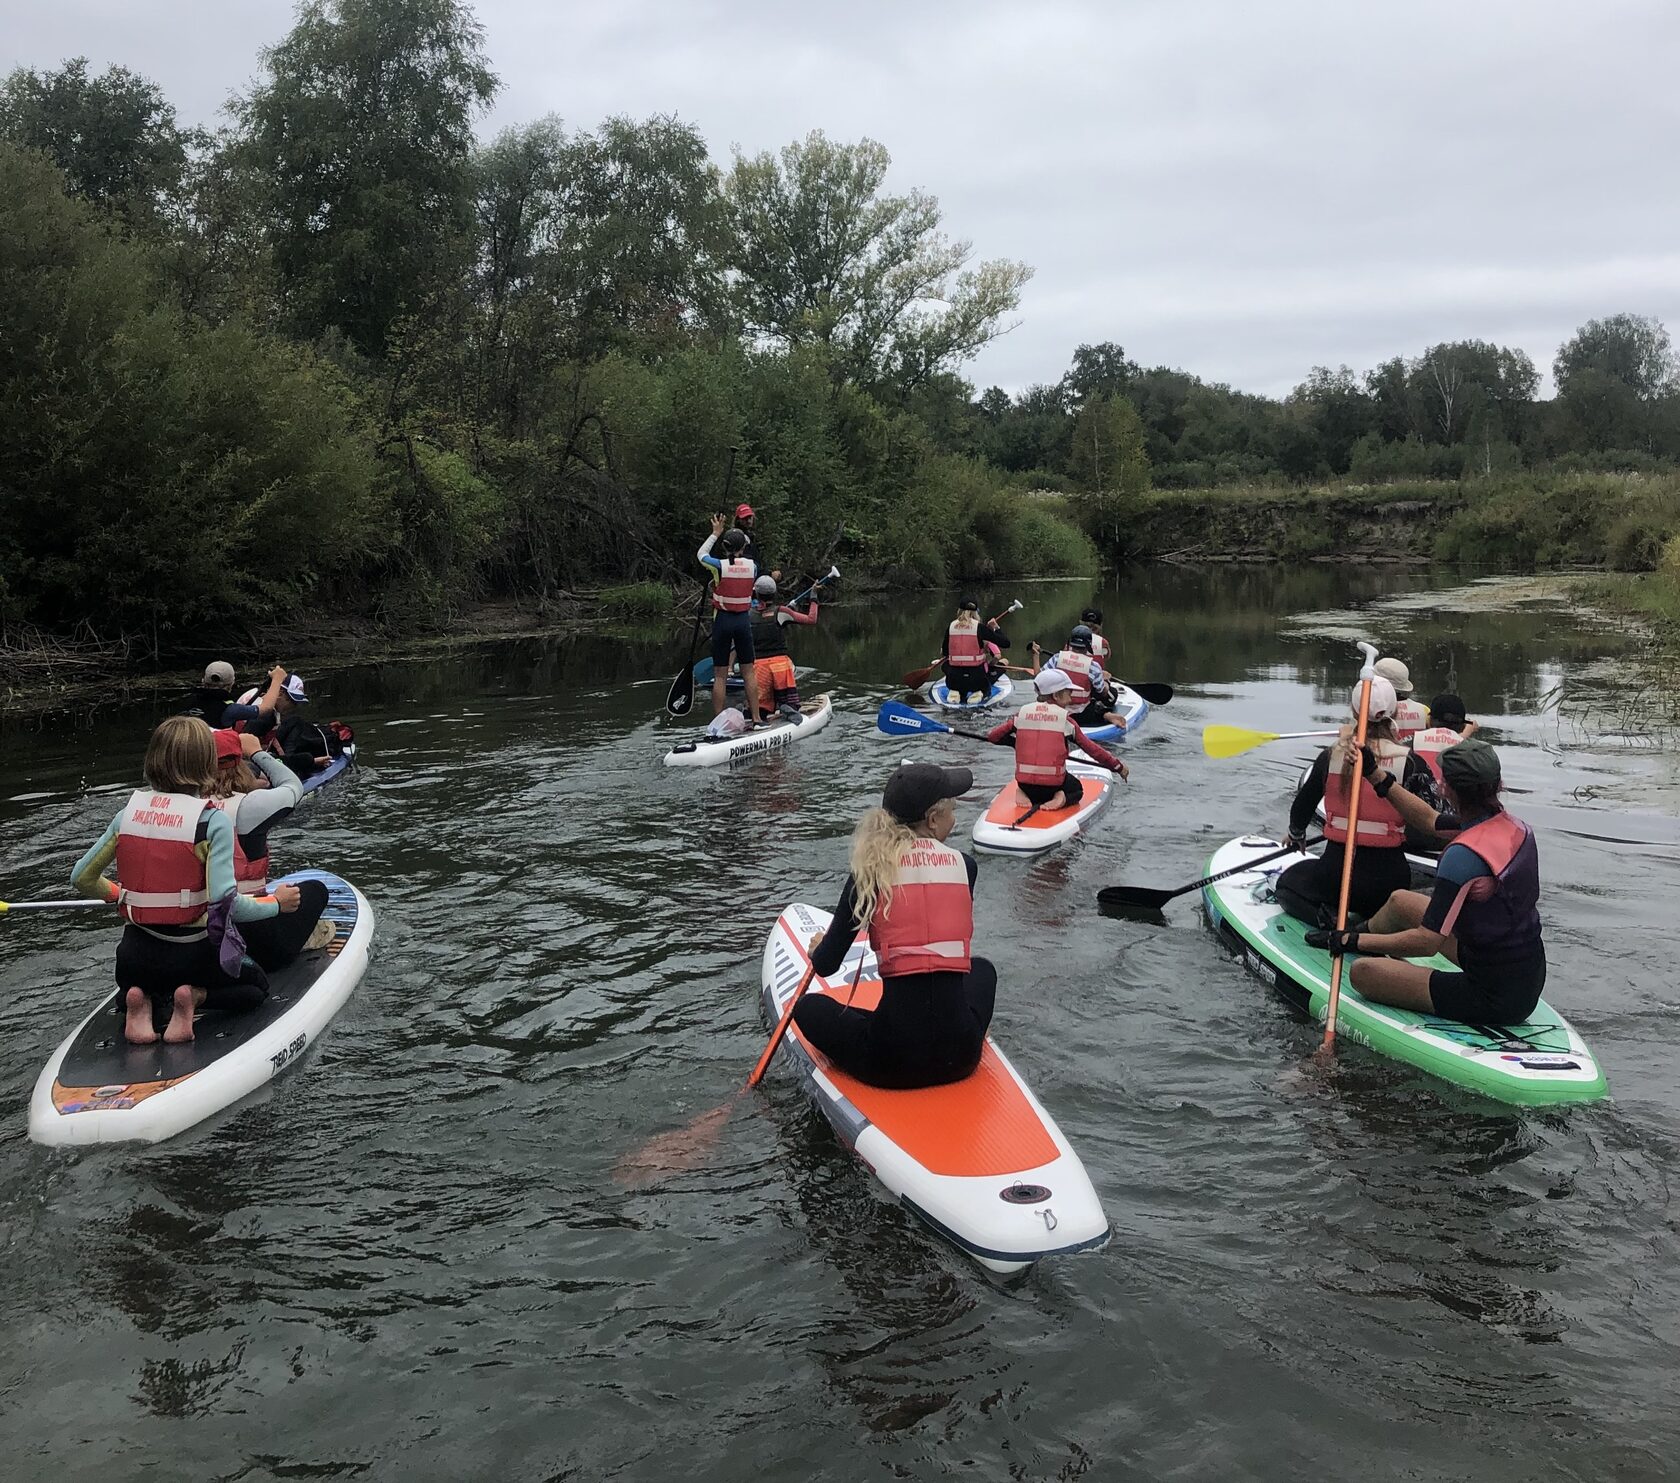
(1539, 1062)
(1002, 688)
(101, 1066)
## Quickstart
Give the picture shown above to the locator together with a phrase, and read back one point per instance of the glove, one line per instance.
(1379, 780)
(1295, 841)
(1345, 941)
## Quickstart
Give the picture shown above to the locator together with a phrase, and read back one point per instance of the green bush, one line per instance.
(638, 600)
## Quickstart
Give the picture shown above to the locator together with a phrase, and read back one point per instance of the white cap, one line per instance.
(1051, 682)
(1396, 673)
(1383, 700)
(294, 688)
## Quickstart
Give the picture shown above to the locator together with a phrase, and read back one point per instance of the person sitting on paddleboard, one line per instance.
(1043, 732)
(1484, 913)
(1409, 716)
(175, 888)
(963, 654)
(255, 809)
(733, 575)
(914, 895)
(214, 705)
(1309, 889)
(1092, 618)
(298, 741)
(1092, 696)
(778, 685)
(1447, 727)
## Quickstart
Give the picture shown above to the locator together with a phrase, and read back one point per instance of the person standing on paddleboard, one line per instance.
(1043, 733)
(1309, 889)
(778, 685)
(914, 896)
(733, 575)
(176, 890)
(1484, 913)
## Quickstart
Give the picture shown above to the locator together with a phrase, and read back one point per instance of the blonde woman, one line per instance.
(176, 891)
(966, 663)
(914, 896)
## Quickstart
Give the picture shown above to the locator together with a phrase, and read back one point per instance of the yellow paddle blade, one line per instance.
(1233, 741)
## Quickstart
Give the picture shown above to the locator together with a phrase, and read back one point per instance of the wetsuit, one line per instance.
(928, 1029)
(300, 741)
(1310, 888)
(272, 941)
(1487, 891)
(159, 958)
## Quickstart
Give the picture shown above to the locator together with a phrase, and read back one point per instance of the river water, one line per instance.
(412, 1259)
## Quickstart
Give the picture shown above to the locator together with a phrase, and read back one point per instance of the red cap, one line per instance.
(227, 744)
(743, 512)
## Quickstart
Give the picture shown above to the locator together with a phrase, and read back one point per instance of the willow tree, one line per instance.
(823, 257)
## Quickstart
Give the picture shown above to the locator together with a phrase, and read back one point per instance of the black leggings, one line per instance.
(964, 682)
(159, 966)
(1044, 792)
(276, 941)
(929, 1029)
(1304, 889)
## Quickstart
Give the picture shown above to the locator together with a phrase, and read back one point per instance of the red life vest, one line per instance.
(732, 592)
(1042, 734)
(1409, 718)
(928, 923)
(161, 880)
(1380, 824)
(1099, 648)
(250, 876)
(1078, 668)
(1431, 742)
(1501, 912)
(962, 647)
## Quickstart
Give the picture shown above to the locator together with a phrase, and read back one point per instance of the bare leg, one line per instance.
(137, 1029)
(720, 688)
(180, 1030)
(1400, 913)
(749, 673)
(1394, 981)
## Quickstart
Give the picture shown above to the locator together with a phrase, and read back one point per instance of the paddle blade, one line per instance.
(1139, 902)
(1153, 693)
(917, 678)
(704, 670)
(676, 1152)
(898, 719)
(1232, 741)
(681, 695)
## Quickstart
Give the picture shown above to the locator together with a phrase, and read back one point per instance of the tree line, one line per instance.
(339, 354)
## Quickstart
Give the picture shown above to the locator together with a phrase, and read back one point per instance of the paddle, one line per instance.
(6, 906)
(1149, 899)
(680, 697)
(782, 1027)
(833, 572)
(1233, 741)
(918, 677)
(1367, 673)
(898, 719)
(1154, 693)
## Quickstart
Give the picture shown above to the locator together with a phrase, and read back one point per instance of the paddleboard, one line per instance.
(1007, 828)
(334, 769)
(979, 1161)
(771, 737)
(1538, 1063)
(1002, 688)
(1132, 709)
(97, 1088)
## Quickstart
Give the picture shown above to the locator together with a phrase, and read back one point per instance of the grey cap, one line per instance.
(218, 675)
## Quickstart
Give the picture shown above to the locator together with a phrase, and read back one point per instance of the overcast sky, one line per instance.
(1244, 188)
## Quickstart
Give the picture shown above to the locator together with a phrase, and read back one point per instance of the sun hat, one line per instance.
(1396, 674)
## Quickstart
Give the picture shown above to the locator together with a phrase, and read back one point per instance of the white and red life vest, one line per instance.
(1043, 733)
(1409, 718)
(1078, 668)
(928, 924)
(249, 876)
(1380, 825)
(1431, 742)
(161, 877)
(732, 592)
(962, 646)
(1099, 648)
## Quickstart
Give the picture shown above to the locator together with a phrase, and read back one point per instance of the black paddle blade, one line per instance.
(1153, 693)
(1136, 903)
(680, 699)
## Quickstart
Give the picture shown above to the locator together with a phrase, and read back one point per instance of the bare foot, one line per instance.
(137, 1030)
(1059, 801)
(180, 1030)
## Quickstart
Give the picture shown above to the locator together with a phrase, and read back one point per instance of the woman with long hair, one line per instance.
(914, 897)
(963, 654)
(176, 891)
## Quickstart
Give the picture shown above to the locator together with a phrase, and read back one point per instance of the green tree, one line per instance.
(114, 136)
(1632, 349)
(1098, 371)
(1108, 462)
(362, 133)
(822, 257)
(1339, 411)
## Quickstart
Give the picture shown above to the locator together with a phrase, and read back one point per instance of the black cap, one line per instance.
(734, 540)
(917, 786)
(1447, 709)
(1091, 615)
(1472, 761)
(966, 604)
(1080, 638)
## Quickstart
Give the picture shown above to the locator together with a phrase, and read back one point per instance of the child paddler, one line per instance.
(1483, 914)
(176, 890)
(778, 684)
(1043, 734)
(914, 896)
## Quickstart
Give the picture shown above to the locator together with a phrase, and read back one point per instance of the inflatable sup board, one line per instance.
(1010, 827)
(1002, 688)
(1131, 707)
(771, 737)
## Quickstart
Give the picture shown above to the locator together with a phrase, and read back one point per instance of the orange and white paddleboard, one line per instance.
(1012, 826)
(980, 1161)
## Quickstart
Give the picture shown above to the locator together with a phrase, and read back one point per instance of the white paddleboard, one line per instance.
(1008, 826)
(772, 737)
